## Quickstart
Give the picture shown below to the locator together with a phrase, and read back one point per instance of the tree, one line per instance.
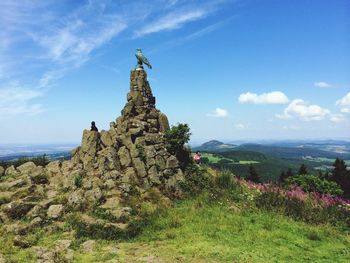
(341, 176)
(302, 170)
(253, 175)
(175, 139)
(282, 177)
(289, 173)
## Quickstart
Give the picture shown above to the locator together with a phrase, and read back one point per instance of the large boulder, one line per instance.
(124, 157)
(172, 162)
(55, 211)
(163, 122)
(26, 168)
(38, 175)
(11, 171)
(53, 168)
(106, 139)
(77, 201)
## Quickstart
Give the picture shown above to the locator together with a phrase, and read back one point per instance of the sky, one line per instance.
(231, 69)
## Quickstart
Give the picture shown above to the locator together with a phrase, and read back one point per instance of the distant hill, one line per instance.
(214, 146)
(297, 152)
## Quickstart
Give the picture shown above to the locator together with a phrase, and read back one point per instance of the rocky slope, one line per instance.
(105, 172)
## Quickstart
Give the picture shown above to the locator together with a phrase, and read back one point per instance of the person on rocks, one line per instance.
(197, 157)
(93, 126)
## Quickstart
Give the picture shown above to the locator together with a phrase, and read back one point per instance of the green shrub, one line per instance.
(196, 180)
(41, 160)
(313, 183)
(225, 180)
(78, 181)
(175, 139)
(103, 213)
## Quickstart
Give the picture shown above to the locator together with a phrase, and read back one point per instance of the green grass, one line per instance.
(215, 158)
(248, 162)
(205, 230)
(198, 230)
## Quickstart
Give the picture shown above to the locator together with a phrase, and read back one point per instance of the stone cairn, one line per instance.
(109, 167)
(133, 151)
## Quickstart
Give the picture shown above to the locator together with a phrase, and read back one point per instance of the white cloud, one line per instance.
(291, 127)
(171, 21)
(15, 100)
(240, 126)
(218, 113)
(298, 108)
(344, 103)
(274, 97)
(74, 42)
(322, 84)
(337, 118)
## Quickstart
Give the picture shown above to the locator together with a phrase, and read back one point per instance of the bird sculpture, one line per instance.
(141, 59)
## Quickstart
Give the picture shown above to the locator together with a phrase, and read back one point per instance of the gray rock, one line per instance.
(44, 255)
(93, 195)
(108, 160)
(129, 176)
(106, 139)
(53, 168)
(11, 171)
(62, 245)
(153, 176)
(160, 162)
(16, 183)
(89, 246)
(26, 168)
(38, 176)
(172, 162)
(124, 156)
(109, 184)
(55, 211)
(77, 201)
(139, 167)
(163, 123)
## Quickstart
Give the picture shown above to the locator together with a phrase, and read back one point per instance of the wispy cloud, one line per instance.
(219, 113)
(344, 103)
(274, 97)
(73, 43)
(171, 21)
(240, 126)
(322, 84)
(15, 100)
(300, 109)
(48, 39)
(337, 118)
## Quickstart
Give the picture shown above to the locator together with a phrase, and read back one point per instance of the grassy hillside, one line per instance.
(219, 219)
(204, 230)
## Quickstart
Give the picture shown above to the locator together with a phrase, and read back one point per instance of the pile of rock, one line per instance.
(133, 150)
(131, 157)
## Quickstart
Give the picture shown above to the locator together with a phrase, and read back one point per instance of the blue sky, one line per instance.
(232, 70)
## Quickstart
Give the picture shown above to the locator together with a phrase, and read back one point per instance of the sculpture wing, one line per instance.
(145, 61)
